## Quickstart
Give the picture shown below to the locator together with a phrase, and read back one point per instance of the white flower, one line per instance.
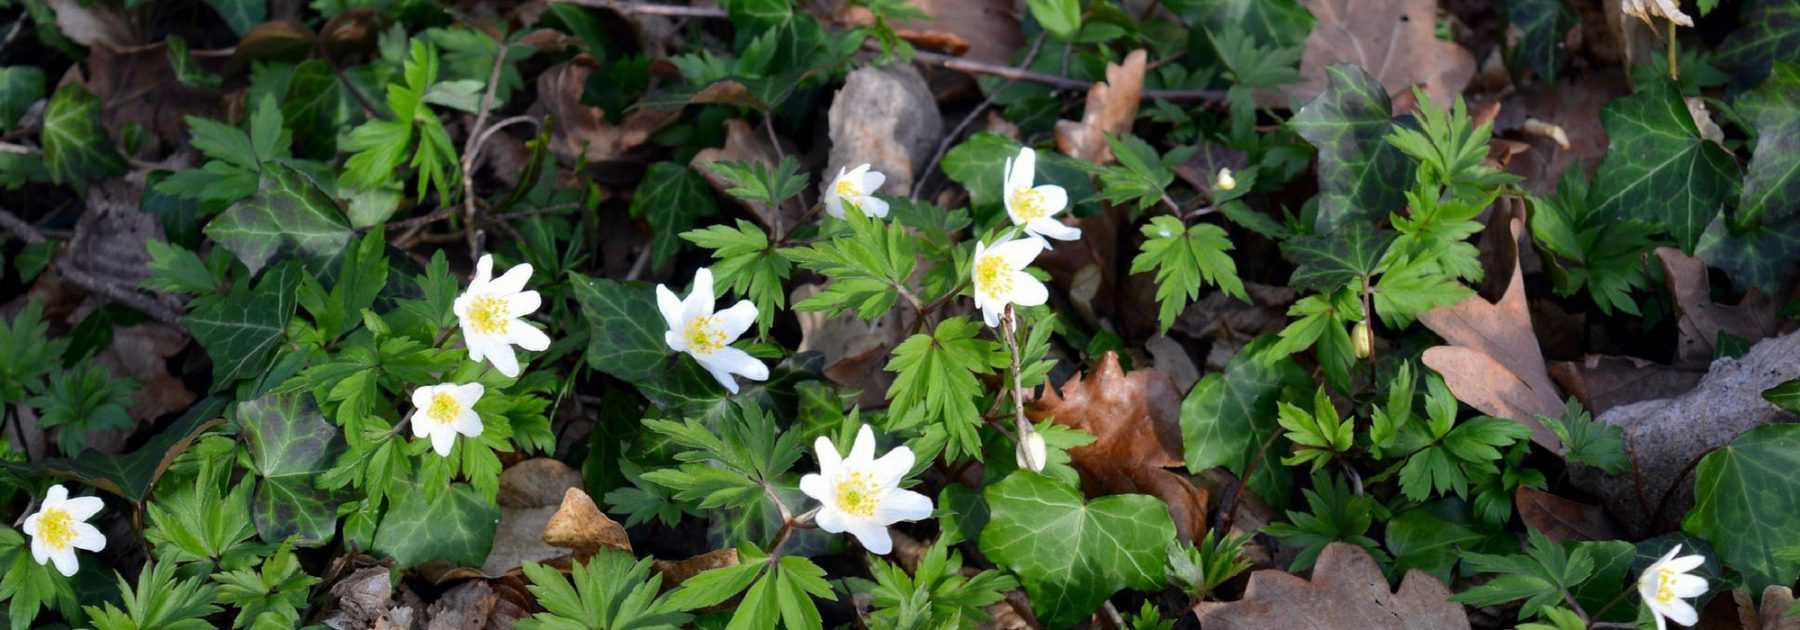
(1666, 583)
(60, 527)
(444, 410)
(1648, 10)
(1226, 181)
(489, 311)
(1032, 207)
(696, 330)
(1030, 453)
(861, 494)
(1000, 278)
(856, 187)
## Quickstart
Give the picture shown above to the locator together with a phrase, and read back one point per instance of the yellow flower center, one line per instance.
(487, 315)
(703, 336)
(847, 188)
(56, 528)
(1665, 581)
(444, 408)
(993, 277)
(1028, 204)
(857, 495)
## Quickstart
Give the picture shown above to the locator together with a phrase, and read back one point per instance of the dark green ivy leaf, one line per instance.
(1757, 256)
(1658, 168)
(1331, 260)
(76, 148)
(1362, 177)
(671, 198)
(1542, 25)
(1229, 415)
(1772, 180)
(240, 331)
(132, 474)
(1747, 504)
(290, 444)
(626, 329)
(1770, 32)
(456, 527)
(289, 214)
(1785, 395)
(20, 86)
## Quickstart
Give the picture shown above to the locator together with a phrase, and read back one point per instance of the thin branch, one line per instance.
(473, 146)
(961, 64)
(944, 145)
(144, 304)
(646, 8)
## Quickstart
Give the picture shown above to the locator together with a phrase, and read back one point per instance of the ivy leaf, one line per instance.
(1228, 415)
(979, 163)
(457, 527)
(131, 475)
(1658, 169)
(1330, 261)
(935, 382)
(20, 86)
(289, 214)
(1747, 504)
(76, 149)
(1362, 177)
(240, 15)
(671, 198)
(1785, 395)
(1277, 23)
(1542, 25)
(1183, 259)
(1770, 33)
(626, 329)
(1072, 555)
(314, 106)
(1772, 180)
(240, 331)
(1761, 256)
(290, 444)
(744, 262)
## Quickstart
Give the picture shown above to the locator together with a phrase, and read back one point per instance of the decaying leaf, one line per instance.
(1112, 107)
(580, 525)
(1772, 614)
(1135, 420)
(141, 353)
(744, 144)
(1493, 362)
(584, 131)
(1702, 320)
(854, 350)
(545, 517)
(1395, 41)
(675, 572)
(1603, 382)
(988, 31)
(1563, 520)
(92, 23)
(1347, 592)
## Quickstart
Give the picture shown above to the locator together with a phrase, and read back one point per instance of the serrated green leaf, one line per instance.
(457, 527)
(289, 214)
(936, 382)
(625, 336)
(76, 148)
(1658, 169)
(1362, 177)
(1184, 258)
(1747, 504)
(745, 263)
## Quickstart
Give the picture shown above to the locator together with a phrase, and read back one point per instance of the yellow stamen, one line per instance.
(857, 495)
(846, 188)
(56, 528)
(703, 335)
(444, 408)
(487, 315)
(993, 277)
(1029, 205)
(1665, 581)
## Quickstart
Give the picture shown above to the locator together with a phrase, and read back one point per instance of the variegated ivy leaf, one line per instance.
(1362, 177)
(1659, 169)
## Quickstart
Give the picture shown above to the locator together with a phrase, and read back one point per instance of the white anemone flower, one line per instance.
(1225, 180)
(1033, 206)
(443, 411)
(1000, 278)
(489, 312)
(861, 494)
(856, 188)
(695, 329)
(60, 527)
(1031, 453)
(1649, 10)
(1665, 584)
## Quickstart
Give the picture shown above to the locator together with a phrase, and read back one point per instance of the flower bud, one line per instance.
(1362, 339)
(1030, 453)
(1226, 181)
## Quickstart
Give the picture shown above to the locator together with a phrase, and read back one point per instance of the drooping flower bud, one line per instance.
(1362, 339)
(1226, 181)
(1030, 453)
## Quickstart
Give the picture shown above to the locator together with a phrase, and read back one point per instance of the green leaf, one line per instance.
(1072, 555)
(611, 590)
(175, 269)
(1658, 169)
(1061, 17)
(288, 215)
(1183, 259)
(1229, 415)
(1542, 26)
(1362, 177)
(161, 600)
(290, 445)
(20, 86)
(1331, 261)
(1747, 504)
(1772, 180)
(979, 163)
(240, 331)
(1337, 515)
(187, 71)
(671, 198)
(1589, 441)
(314, 106)
(1785, 395)
(1275, 23)
(745, 263)
(76, 148)
(1410, 287)
(1605, 253)
(625, 336)
(1421, 539)
(131, 475)
(240, 15)
(936, 382)
(457, 526)
(1770, 32)
(1763, 256)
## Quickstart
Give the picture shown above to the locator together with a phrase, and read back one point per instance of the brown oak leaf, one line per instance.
(1563, 520)
(584, 131)
(1752, 319)
(1395, 41)
(1347, 592)
(1112, 106)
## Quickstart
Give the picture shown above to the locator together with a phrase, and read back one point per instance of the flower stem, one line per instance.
(1021, 425)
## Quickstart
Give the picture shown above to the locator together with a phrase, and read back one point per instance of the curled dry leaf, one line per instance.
(854, 349)
(543, 518)
(744, 144)
(1563, 520)
(1752, 319)
(580, 525)
(1493, 362)
(92, 24)
(583, 131)
(1395, 41)
(1112, 106)
(1772, 614)
(1347, 592)
(675, 572)
(1604, 382)
(1135, 420)
(982, 30)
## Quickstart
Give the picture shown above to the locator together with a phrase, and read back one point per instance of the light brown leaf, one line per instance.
(982, 30)
(580, 525)
(583, 131)
(854, 349)
(92, 23)
(1112, 106)
(1347, 592)
(1752, 319)
(533, 494)
(744, 144)
(1396, 41)
(1493, 362)
(1604, 382)
(1563, 520)
(1772, 615)
(677, 571)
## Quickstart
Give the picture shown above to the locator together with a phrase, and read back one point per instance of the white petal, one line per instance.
(1688, 585)
(903, 505)
(484, 270)
(990, 314)
(1027, 291)
(813, 485)
(830, 520)
(1052, 228)
(872, 181)
(478, 345)
(468, 423)
(1054, 198)
(674, 341)
(1684, 564)
(893, 466)
(54, 497)
(735, 320)
(862, 451)
(501, 355)
(1667, 556)
(523, 303)
(467, 395)
(741, 363)
(31, 522)
(874, 207)
(874, 537)
(421, 397)
(834, 205)
(39, 551)
(1682, 613)
(65, 562)
(719, 372)
(670, 306)
(829, 459)
(83, 508)
(89, 538)
(1019, 253)
(1024, 170)
(1006, 181)
(526, 336)
(700, 301)
(1658, 616)
(421, 423)
(442, 440)
(513, 281)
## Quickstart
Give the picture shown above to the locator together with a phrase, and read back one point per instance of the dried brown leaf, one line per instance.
(279, 40)
(1347, 592)
(854, 349)
(744, 144)
(92, 23)
(1112, 106)
(675, 572)
(1772, 615)
(1752, 319)
(1604, 382)
(1563, 520)
(1395, 41)
(583, 131)
(580, 525)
